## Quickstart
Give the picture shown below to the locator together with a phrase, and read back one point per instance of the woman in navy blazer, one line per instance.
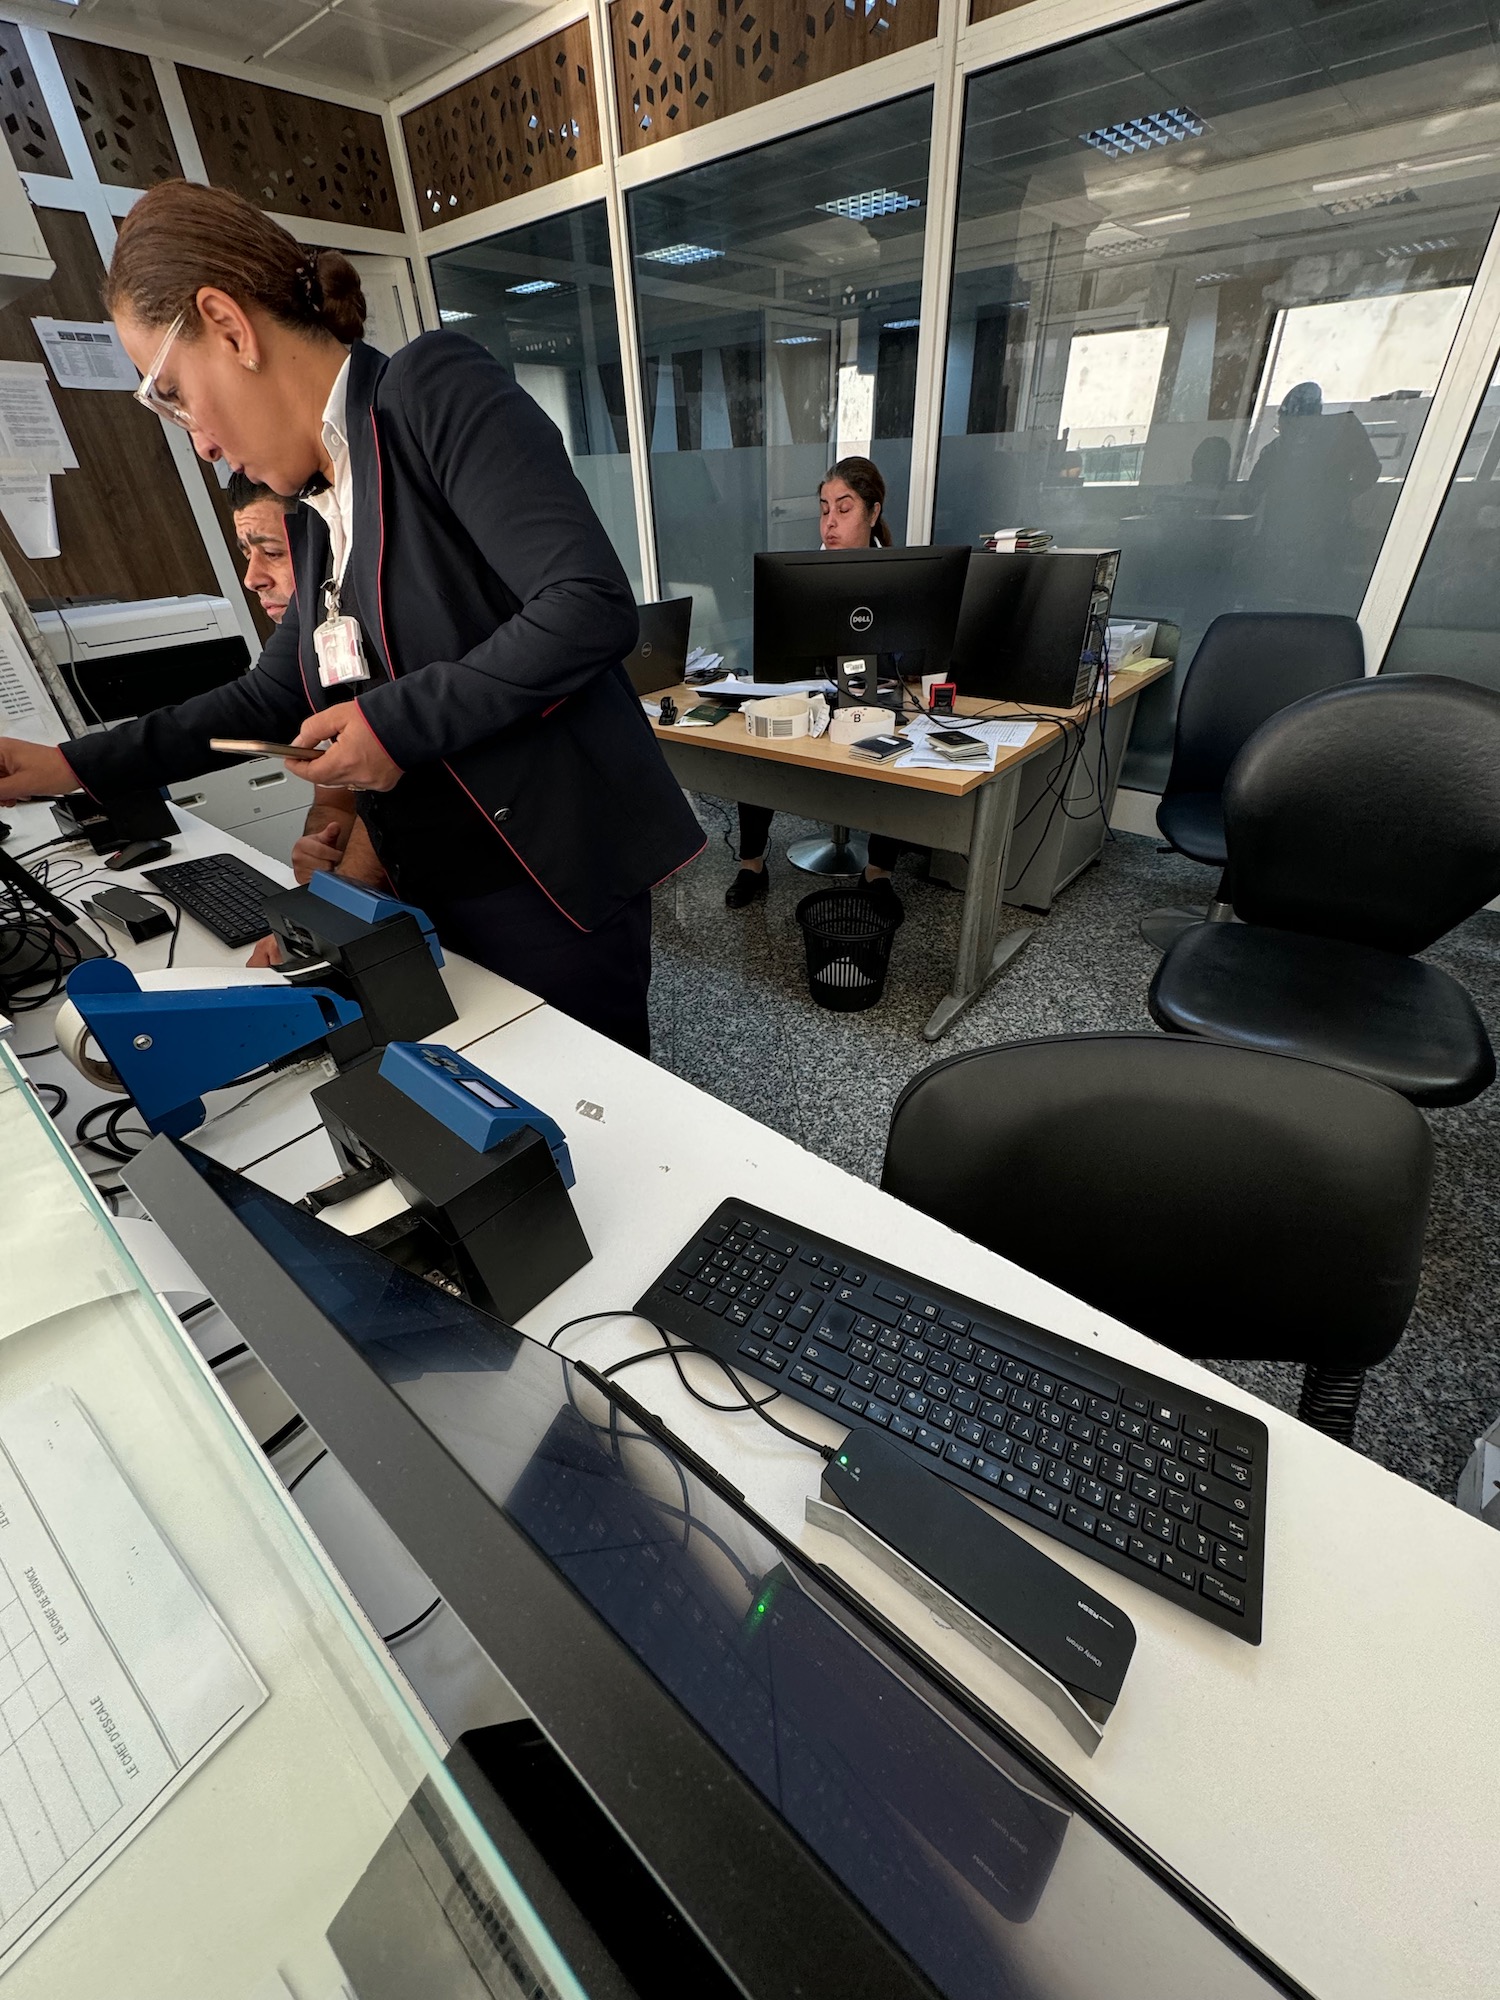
(506, 778)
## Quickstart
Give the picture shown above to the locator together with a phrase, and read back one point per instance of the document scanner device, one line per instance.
(484, 1174)
(1063, 1641)
(381, 953)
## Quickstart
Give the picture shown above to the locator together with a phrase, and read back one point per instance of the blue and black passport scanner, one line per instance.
(486, 1175)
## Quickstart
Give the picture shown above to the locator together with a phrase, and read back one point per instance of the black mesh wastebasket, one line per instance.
(848, 939)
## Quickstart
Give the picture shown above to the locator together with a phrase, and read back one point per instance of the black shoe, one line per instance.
(747, 886)
(882, 893)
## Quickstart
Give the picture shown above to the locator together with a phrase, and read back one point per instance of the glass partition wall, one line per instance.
(1208, 269)
(778, 295)
(542, 300)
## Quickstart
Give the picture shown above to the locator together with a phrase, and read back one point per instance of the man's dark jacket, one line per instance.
(490, 592)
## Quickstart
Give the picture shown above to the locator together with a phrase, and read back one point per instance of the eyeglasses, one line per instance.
(147, 395)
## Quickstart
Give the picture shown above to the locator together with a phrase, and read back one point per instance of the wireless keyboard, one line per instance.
(1148, 1478)
(220, 892)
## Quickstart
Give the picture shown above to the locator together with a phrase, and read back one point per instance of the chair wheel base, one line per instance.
(1162, 928)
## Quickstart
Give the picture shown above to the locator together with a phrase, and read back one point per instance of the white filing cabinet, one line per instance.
(257, 801)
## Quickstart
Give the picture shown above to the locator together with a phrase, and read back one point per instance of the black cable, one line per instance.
(748, 1402)
(389, 1638)
(112, 1145)
(58, 1092)
(583, 1318)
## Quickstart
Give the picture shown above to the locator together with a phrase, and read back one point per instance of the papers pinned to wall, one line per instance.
(26, 708)
(33, 446)
(30, 512)
(86, 354)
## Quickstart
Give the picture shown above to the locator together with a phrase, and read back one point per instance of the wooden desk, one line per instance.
(959, 811)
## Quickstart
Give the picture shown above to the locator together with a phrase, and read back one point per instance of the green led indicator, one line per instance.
(843, 1458)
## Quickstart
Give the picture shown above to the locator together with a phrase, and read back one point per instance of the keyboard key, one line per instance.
(1232, 1469)
(911, 1325)
(1132, 1426)
(1161, 1439)
(1179, 1569)
(715, 1303)
(1015, 1484)
(1083, 1456)
(962, 1350)
(1193, 1542)
(1112, 1472)
(1167, 1415)
(695, 1293)
(828, 1359)
(1030, 1461)
(790, 1292)
(1180, 1505)
(1220, 1495)
(1022, 1400)
(861, 1350)
(1219, 1591)
(801, 1317)
(965, 1400)
(1224, 1525)
(836, 1328)
(863, 1378)
(970, 1432)
(1044, 1385)
(960, 1454)
(913, 1375)
(855, 1278)
(1100, 1411)
(853, 1400)
(772, 1360)
(1236, 1447)
(1132, 1399)
(1231, 1561)
(1193, 1453)
(1080, 1518)
(1063, 1477)
(902, 1427)
(737, 1316)
(803, 1377)
(1045, 1501)
(1123, 1508)
(1014, 1372)
(1145, 1552)
(1175, 1473)
(1091, 1493)
(1147, 1489)
(878, 1413)
(952, 1322)
(941, 1415)
(1195, 1428)
(894, 1295)
(1112, 1533)
(1080, 1428)
(989, 1470)
(937, 1385)
(1159, 1526)
(931, 1440)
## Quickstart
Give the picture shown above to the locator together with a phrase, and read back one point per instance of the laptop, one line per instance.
(660, 656)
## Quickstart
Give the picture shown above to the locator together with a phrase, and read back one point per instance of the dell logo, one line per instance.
(861, 618)
(645, 649)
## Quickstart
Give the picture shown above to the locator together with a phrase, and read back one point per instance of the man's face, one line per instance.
(261, 531)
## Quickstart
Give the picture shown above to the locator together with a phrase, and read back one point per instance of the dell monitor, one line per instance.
(816, 607)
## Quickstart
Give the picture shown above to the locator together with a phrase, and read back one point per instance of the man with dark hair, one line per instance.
(260, 531)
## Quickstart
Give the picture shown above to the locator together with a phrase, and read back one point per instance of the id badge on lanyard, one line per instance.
(338, 643)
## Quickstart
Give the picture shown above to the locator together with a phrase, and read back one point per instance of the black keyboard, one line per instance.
(220, 892)
(1148, 1478)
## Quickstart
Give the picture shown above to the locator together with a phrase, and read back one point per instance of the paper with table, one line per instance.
(27, 710)
(86, 354)
(33, 446)
(117, 1679)
(997, 736)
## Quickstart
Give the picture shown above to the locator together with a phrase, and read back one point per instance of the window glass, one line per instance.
(1451, 623)
(1208, 270)
(542, 300)
(778, 296)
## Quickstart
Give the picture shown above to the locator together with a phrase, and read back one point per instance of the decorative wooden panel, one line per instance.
(293, 155)
(115, 96)
(681, 66)
(523, 124)
(28, 124)
(986, 10)
(123, 519)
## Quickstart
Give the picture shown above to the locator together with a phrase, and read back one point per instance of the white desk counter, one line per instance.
(1332, 1790)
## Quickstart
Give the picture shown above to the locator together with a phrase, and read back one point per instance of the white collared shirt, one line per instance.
(336, 502)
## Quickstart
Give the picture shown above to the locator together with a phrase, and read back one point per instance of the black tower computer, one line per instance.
(816, 607)
(1032, 625)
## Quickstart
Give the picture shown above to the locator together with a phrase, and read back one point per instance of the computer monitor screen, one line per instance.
(949, 1837)
(814, 606)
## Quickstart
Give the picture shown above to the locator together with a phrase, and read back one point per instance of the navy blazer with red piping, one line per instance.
(503, 614)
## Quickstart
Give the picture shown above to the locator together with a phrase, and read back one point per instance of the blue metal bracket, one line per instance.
(372, 907)
(168, 1046)
(473, 1106)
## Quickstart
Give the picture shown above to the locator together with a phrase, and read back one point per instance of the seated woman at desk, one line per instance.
(851, 509)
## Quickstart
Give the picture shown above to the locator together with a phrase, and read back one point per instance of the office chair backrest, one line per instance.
(1370, 813)
(1225, 1201)
(1248, 665)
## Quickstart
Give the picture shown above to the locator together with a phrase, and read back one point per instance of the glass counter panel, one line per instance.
(1451, 620)
(778, 294)
(206, 1736)
(1207, 273)
(542, 300)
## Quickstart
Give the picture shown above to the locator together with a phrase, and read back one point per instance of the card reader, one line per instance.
(1055, 1635)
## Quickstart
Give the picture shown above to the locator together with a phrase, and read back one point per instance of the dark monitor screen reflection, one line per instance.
(978, 1868)
(814, 606)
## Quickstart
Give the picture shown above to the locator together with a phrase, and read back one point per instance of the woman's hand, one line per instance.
(354, 756)
(33, 771)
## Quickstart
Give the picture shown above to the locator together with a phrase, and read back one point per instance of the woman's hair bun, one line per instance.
(343, 303)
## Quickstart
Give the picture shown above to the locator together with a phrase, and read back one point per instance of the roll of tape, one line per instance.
(73, 1039)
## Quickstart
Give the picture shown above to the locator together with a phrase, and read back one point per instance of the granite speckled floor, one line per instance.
(731, 1013)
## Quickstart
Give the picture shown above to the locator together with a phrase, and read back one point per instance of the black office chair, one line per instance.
(1227, 1203)
(1248, 665)
(1363, 824)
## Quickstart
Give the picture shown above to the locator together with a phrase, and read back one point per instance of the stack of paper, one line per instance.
(996, 736)
(743, 690)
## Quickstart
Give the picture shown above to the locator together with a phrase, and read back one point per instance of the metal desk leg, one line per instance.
(840, 854)
(979, 957)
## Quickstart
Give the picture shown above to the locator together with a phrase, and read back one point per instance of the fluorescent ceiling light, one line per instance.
(1353, 181)
(874, 201)
(681, 253)
(1139, 135)
(534, 285)
(451, 316)
(900, 325)
(1213, 277)
(1155, 221)
(799, 339)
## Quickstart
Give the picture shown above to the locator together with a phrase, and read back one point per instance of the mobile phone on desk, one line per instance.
(255, 746)
(878, 748)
